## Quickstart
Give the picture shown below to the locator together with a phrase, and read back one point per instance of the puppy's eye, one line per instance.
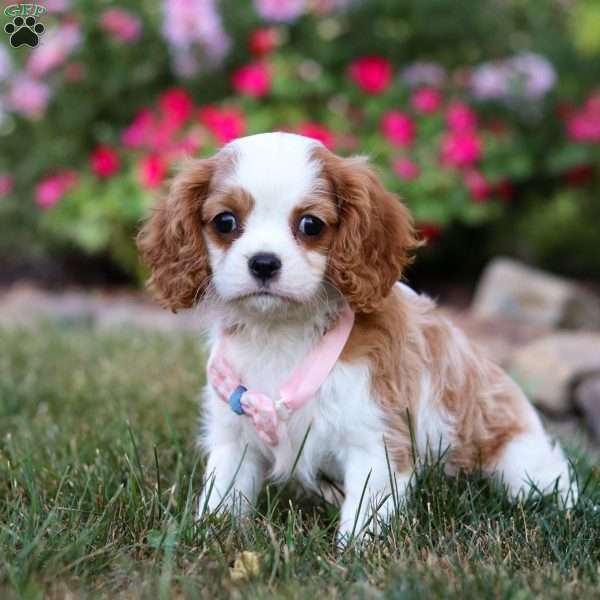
(225, 223)
(310, 225)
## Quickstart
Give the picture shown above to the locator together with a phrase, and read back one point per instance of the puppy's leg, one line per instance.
(233, 480)
(369, 495)
(532, 461)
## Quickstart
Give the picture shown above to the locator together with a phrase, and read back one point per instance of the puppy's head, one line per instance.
(276, 221)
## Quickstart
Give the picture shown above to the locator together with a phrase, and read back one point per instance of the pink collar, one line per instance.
(301, 387)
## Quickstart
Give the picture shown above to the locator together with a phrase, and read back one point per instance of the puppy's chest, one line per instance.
(342, 412)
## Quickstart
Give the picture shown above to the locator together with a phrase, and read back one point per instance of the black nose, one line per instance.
(264, 266)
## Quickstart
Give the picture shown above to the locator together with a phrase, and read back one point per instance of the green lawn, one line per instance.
(98, 474)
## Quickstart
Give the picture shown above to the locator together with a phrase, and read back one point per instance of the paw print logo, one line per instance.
(24, 31)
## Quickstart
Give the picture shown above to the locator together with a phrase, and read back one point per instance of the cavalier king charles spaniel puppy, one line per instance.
(322, 364)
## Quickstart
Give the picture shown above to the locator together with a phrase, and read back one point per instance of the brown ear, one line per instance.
(171, 241)
(375, 237)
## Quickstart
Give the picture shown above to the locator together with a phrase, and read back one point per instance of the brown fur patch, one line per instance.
(375, 236)
(407, 338)
(171, 242)
(235, 200)
(322, 206)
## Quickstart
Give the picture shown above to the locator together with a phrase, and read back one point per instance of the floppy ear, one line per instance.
(375, 236)
(171, 241)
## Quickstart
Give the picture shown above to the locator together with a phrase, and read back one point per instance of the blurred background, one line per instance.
(484, 116)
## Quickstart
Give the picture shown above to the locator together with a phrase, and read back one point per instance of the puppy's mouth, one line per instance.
(267, 295)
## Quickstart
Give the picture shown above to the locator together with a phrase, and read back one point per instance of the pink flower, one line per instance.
(406, 169)
(121, 25)
(426, 100)
(583, 125)
(152, 171)
(187, 145)
(317, 132)
(188, 24)
(57, 6)
(461, 117)
(105, 161)
(28, 96)
(263, 41)
(225, 124)
(136, 135)
(58, 43)
(51, 189)
(283, 11)
(372, 74)
(252, 80)
(7, 184)
(477, 185)
(176, 105)
(398, 128)
(424, 73)
(461, 149)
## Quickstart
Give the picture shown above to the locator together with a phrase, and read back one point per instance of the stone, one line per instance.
(25, 306)
(586, 398)
(549, 368)
(511, 290)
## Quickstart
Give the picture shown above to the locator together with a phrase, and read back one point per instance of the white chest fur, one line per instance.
(341, 417)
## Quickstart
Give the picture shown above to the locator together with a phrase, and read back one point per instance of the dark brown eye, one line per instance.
(310, 225)
(225, 223)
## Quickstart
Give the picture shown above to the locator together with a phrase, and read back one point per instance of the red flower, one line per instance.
(105, 161)
(152, 171)
(461, 149)
(406, 169)
(477, 185)
(317, 132)
(225, 124)
(426, 100)
(51, 189)
(505, 190)
(263, 41)
(579, 175)
(461, 117)
(176, 105)
(372, 74)
(430, 232)
(252, 80)
(398, 128)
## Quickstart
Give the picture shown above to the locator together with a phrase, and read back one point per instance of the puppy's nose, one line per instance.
(264, 266)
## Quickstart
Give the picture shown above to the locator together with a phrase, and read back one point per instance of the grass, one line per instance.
(98, 475)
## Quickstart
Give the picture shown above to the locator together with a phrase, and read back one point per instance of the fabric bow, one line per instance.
(259, 407)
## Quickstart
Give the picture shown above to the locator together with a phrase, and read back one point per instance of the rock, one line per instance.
(549, 368)
(26, 306)
(586, 398)
(511, 290)
(498, 338)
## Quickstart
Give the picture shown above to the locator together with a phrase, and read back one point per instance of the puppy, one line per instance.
(321, 363)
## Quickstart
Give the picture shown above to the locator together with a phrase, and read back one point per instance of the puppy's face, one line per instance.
(274, 222)
(268, 223)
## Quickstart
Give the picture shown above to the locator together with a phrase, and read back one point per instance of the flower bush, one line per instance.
(96, 119)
